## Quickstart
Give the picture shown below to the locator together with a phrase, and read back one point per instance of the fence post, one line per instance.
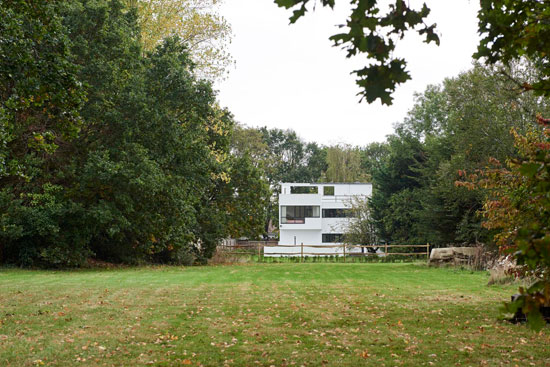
(428, 251)
(344, 246)
(386, 249)
(259, 251)
(302, 252)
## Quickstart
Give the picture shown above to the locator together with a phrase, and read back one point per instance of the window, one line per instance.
(332, 237)
(298, 214)
(328, 190)
(304, 189)
(337, 213)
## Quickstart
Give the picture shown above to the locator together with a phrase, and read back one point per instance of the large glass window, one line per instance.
(298, 214)
(332, 237)
(337, 213)
(304, 189)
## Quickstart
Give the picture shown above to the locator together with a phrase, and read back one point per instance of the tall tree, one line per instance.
(140, 180)
(396, 198)
(197, 24)
(290, 158)
(249, 141)
(373, 156)
(40, 100)
(40, 95)
(246, 197)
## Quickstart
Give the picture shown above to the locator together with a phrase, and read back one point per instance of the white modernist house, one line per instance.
(315, 214)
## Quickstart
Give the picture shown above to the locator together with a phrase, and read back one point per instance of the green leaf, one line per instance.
(529, 169)
(286, 3)
(535, 320)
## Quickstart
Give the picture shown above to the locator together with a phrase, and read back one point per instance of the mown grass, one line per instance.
(261, 315)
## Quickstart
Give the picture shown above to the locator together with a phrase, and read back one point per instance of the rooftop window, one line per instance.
(328, 190)
(304, 190)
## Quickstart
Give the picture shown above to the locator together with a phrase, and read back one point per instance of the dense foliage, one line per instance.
(517, 208)
(109, 151)
(458, 125)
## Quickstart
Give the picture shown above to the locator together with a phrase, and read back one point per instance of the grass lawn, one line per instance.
(261, 315)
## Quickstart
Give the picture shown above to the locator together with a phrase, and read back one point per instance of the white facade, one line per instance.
(318, 217)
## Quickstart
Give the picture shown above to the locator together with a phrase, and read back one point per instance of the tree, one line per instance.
(40, 94)
(140, 179)
(195, 22)
(361, 228)
(513, 29)
(464, 124)
(40, 100)
(395, 201)
(510, 29)
(518, 209)
(286, 156)
(372, 157)
(249, 141)
(246, 197)
(344, 165)
(282, 156)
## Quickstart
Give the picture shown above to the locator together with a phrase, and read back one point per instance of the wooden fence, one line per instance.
(246, 247)
(257, 247)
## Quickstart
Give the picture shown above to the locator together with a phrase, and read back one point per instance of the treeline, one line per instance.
(111, 151)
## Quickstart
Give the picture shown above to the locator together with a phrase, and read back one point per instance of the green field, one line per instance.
(261, 315)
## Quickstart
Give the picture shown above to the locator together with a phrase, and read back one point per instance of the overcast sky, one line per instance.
(290, 76)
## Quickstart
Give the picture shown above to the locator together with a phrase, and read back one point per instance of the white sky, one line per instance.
(290, 76)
